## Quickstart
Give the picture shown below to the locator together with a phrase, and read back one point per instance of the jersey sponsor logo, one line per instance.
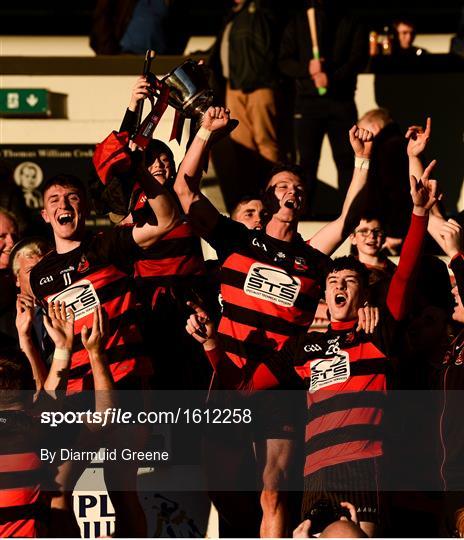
(328, 371)
(255, 242)
(81, 297)
(349, 338)
(46, 279)
(272, 284)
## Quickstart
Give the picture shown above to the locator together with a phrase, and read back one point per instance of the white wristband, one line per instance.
(62, 354)
(204, 133)
(362, 163)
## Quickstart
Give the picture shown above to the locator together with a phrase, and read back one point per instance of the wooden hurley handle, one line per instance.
(311, 12)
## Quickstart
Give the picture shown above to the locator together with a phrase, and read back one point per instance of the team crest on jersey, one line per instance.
(83, 265)
(279, 256)
(81, 297)
(350, 337)
(272, 284)
(300, 264)
(328, 371)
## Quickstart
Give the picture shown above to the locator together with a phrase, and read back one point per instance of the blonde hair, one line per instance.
(37, 248)
(381, 116)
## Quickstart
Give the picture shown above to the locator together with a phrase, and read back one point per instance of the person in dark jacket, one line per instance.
(343, 47)
(244, 57)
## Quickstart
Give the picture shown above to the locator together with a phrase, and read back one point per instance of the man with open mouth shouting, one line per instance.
(344, 372)
(271, 281)
(86, 271)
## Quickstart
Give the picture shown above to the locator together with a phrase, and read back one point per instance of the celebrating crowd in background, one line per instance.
(352, 366)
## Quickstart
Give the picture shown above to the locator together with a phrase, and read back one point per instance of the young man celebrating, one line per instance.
(90, 270)
(344, 372)
(270, 283)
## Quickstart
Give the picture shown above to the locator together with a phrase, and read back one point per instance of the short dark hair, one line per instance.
(348, 262)
(16, 380)
(403, 20)
(64, 180)
(369, 215)
(286, 167)
(244, 200)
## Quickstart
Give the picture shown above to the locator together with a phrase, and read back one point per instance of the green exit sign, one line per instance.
(30, 102)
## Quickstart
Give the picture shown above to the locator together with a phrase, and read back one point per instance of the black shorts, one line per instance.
(356, 482)
(278, 414)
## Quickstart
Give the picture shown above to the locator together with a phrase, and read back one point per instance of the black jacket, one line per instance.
(388, 185)
(343, 43)
(253, 48)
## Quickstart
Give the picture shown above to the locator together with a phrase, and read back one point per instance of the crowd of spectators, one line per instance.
(94, 319)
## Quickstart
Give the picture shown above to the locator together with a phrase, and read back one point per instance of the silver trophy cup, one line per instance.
(189, 92)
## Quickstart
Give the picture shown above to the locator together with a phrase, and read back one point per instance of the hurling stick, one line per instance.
(149, 55)
(311, 12)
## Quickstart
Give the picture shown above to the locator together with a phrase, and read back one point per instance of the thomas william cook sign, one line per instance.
(33, 163)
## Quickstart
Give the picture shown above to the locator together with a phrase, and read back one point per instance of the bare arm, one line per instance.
(436, 222)
(418, 138)
(187, 185)
(59, 323)
(330, 237)
(166, 215)
(24, 316)
(94, 341)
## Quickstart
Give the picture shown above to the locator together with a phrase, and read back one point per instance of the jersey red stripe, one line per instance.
(341, 453)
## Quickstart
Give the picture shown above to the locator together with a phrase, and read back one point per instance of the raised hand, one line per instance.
(368, 319)
(418, 138)
(215, 118)
(451, 232)
(59, 324)
(140, 91)
(24, 314)
(361, 141)
(199, 325)
(424, 192)
(95, 340)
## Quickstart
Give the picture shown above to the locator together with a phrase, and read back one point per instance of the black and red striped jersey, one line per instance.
(174, 257)
(270, 288)
(99, 271)
(343, 371)
(345, 375)
(22, 504)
